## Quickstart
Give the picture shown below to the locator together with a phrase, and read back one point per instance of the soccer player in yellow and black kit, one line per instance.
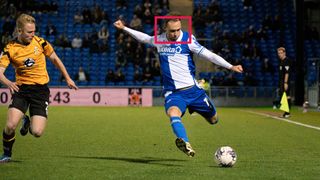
(27, 53)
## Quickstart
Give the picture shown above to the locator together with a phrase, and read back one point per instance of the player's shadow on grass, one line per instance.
(12, 161)
(145, 160)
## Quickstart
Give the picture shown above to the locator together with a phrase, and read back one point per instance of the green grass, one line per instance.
(138, 143)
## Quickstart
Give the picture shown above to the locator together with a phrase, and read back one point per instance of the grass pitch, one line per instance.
(138, 143)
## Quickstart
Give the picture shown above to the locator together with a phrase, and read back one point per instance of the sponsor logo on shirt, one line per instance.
(170, 50)
(29, 62)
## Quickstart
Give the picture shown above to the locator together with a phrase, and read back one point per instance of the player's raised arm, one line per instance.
(140, 36)
(216, 59)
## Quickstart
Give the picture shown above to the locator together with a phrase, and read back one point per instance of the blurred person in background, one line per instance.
(76, 41)
(82, 75)
(284, 77)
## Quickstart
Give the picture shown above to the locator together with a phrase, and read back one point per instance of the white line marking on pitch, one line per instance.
(283, 119)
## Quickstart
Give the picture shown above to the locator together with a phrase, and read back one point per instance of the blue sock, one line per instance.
(178, 128)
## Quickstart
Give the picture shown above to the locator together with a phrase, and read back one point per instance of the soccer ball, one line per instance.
(225, 156)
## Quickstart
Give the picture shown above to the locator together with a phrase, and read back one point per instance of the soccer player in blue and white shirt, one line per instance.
(178, 74)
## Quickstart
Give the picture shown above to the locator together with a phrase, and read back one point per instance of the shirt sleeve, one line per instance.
(47, 48)
(216, 59)
(203, 52)
(140, 36)
(287, 66)
(4, 58)
(195, 46)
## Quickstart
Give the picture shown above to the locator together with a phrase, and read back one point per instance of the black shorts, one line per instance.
(34, 97)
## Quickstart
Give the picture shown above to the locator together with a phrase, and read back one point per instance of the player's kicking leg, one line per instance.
(180, 132)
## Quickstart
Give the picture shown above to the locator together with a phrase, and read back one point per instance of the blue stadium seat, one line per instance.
(120, 83)
(129, 83)
(157, 83)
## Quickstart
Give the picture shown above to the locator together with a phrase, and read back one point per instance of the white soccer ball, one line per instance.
(225, 156)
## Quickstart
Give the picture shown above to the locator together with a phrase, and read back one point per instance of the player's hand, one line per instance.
(71, 84)
(237, 68)
(119, 24)
(285, 86)
(13, 87)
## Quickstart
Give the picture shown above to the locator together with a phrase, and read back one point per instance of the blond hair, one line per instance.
(281, 49)
(21, 21)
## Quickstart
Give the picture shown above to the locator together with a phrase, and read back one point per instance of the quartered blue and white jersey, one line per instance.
(176, 60)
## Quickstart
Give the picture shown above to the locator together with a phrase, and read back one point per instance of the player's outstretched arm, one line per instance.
(216, 59)
(58, 63)
(140, 36)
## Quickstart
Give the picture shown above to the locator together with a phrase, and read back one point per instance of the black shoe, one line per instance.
(25, 126)
(286, 115)
(185, 147)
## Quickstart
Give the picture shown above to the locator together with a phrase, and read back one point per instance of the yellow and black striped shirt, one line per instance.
(29, 60)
